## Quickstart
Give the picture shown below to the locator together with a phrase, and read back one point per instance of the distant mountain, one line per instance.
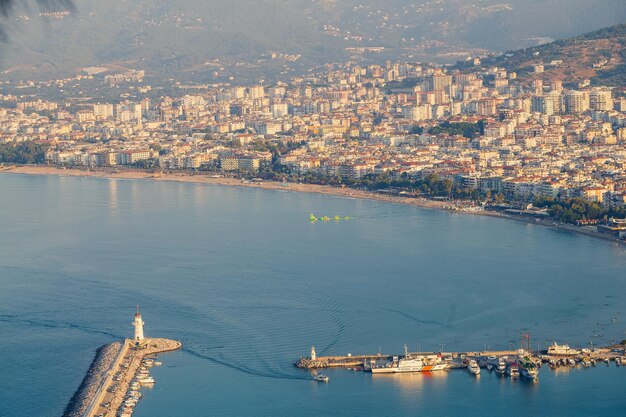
(183, 37)
(599, 56)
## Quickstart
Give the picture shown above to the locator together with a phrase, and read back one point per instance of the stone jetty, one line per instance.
(98, 371)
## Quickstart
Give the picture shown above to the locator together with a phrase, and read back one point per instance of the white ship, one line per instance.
(419, 363)
(562, 350)
(501, 367)
(473, 367)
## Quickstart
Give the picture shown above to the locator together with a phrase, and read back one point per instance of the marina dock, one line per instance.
(110, 395)
(457, 360)
(111, 386)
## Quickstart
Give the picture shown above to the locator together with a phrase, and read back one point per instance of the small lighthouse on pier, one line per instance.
(138, 323)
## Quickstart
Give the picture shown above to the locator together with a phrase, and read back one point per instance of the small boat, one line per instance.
(473, 367)
(320, 377)
(606, 360)
(618, 361)
(147, 380)
(157, 363)
(501, 367)
(513, 371)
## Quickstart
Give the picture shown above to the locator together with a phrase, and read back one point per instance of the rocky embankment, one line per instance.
(305, 363)
(105, 357)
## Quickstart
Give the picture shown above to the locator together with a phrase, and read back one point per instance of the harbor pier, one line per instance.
(111, 386)
(109, 398)
(457, 360)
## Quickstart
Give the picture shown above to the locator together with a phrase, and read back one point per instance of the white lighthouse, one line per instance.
(138, 323)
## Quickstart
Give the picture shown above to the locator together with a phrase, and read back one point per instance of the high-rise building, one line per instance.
(556, 86)
(547, 104)
(441, 82)
(600, 99)
(255, 92)
(576, 101)
(103, 111)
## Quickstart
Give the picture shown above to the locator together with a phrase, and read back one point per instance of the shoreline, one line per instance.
(346, 192)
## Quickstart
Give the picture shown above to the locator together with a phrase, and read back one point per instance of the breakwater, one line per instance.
(100, 366)
(104, 390)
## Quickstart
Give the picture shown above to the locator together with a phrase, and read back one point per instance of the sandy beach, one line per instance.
(201, 178)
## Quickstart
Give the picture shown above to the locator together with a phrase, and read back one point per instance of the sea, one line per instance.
(249, 284)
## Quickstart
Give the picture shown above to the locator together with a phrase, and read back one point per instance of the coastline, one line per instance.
(110, 173)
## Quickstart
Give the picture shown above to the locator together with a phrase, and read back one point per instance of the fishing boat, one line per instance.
(513, 371)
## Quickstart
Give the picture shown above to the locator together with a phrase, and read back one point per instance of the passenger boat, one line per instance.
(562, 350)
(473, 367)
(420, 363)
(527, 367)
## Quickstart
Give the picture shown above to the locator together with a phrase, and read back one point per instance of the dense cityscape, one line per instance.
(319, 207)
(480, 134)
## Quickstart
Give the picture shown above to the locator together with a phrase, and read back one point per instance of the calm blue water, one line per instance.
(248, 285)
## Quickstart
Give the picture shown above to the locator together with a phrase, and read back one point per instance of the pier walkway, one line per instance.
(455, 359)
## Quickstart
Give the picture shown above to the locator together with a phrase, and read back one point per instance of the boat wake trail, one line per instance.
(416, 320)
(241, 368)
(7, 318)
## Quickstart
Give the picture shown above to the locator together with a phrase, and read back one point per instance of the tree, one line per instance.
(27, 152)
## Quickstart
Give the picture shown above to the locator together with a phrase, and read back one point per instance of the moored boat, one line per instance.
(555, 349)
(473, 367)
(527, 367)
(419, 363)
(500, 367)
